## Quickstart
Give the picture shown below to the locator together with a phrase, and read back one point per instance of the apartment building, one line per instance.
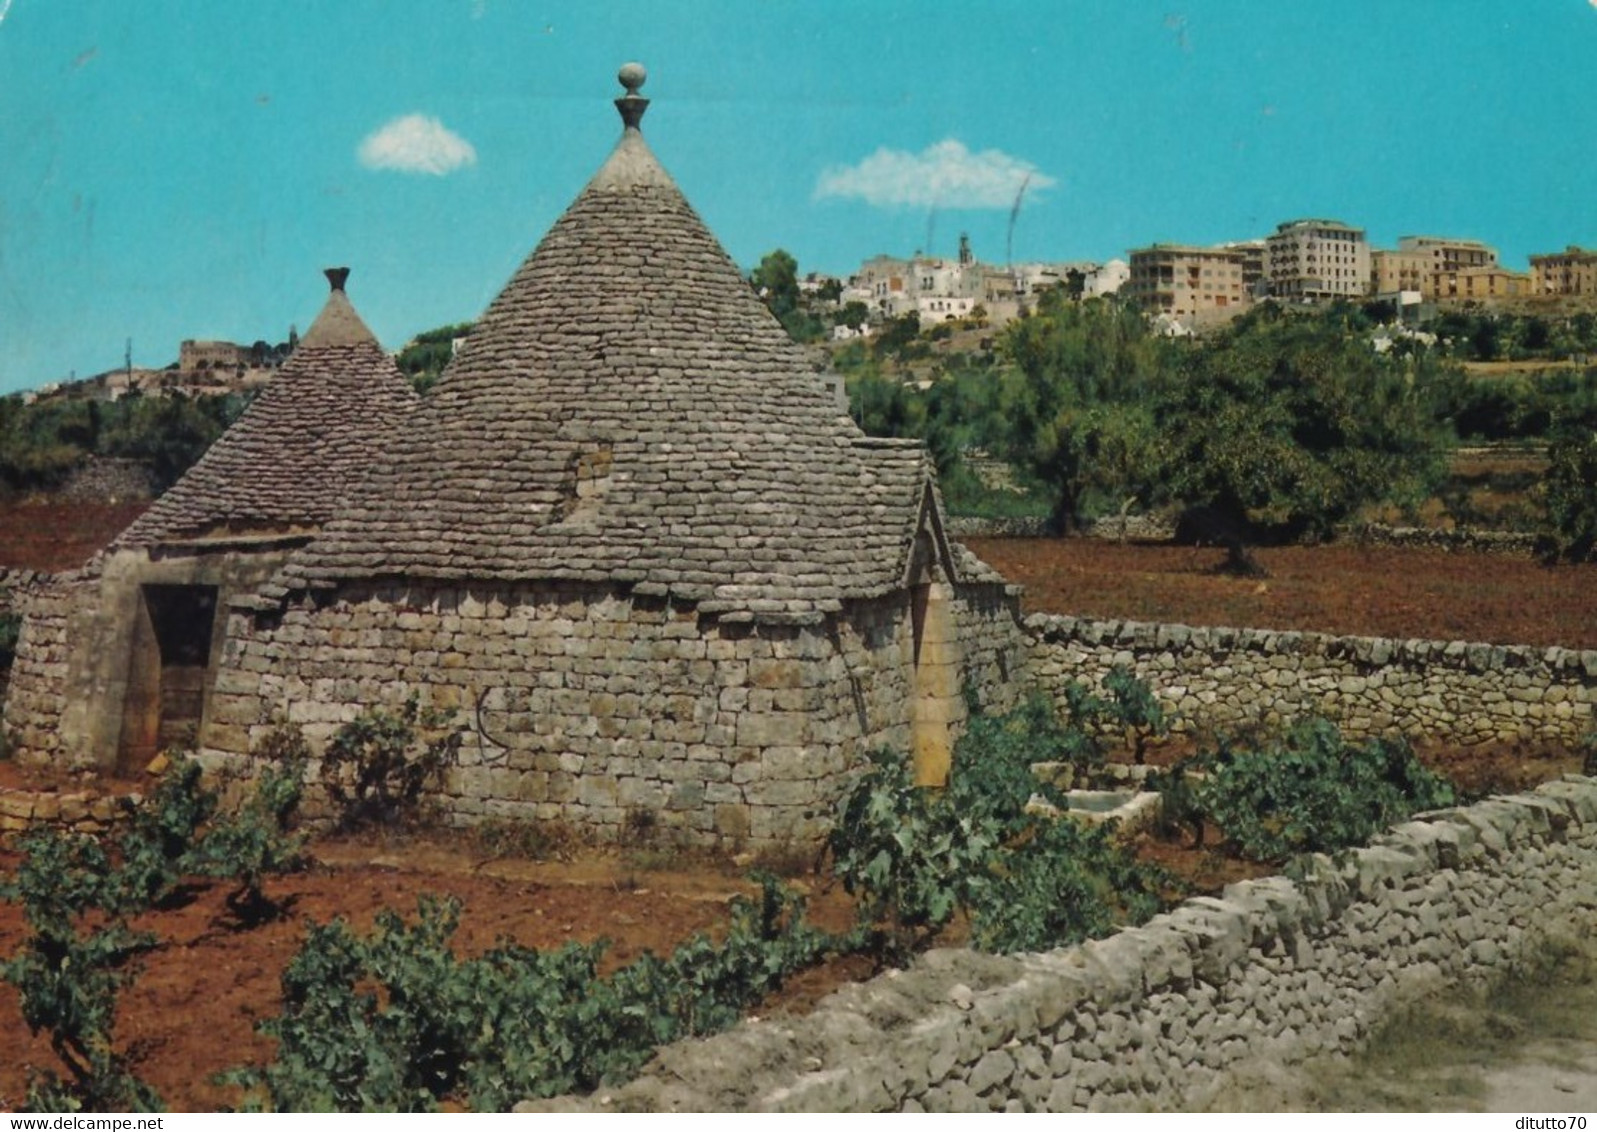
(1255, 282)
(1493, 282)
(1572, 271)
(1187, 282)
(1447, 259)
(1396, 271)
(1317, 260)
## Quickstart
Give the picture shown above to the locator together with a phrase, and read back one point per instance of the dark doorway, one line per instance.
(170, 656)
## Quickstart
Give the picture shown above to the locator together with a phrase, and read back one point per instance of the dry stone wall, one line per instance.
(35, 696)
(601, 709)
(1174, 1014)
(971, 526)
(994, 653)
(1220, 679)
(78, 811)
(1458, 540)
(100, 479)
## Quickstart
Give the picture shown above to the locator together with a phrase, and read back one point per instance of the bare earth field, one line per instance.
(1345, 590)
(59, 536)
(191, 1009)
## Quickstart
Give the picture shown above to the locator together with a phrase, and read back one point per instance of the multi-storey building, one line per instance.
(1112, 275)
(1392, 272)
(1252, 252)
(1316, 260)
(1446, 259)
(1448, 254)
(1487, 283)
(878, 281)
(1572, 271)
(939, 289)
(1184, 281)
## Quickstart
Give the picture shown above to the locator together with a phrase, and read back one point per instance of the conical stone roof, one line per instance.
(289, 460)
(628, 411)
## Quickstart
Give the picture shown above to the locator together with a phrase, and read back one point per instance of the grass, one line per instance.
(1437, 1055)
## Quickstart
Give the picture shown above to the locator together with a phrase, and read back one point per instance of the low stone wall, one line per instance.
(970, 526)
(1176, 1014)
(1462, 540)
(101, 479)
(1157, 528)
(15, 582)
(1221, 679)
(83, 811)
(1131, 528)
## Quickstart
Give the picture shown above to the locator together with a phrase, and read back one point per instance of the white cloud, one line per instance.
(945, 175)
(416, 143)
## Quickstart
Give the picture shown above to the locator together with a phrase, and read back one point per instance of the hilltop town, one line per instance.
(1185, 289)
(1188, 288)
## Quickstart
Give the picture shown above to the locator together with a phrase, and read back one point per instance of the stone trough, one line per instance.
(1133, 808)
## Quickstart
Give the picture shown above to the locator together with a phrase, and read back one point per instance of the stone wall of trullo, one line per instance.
(605, 710)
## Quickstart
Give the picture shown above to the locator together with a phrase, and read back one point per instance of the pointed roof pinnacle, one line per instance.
(633, 104)
(338, 324)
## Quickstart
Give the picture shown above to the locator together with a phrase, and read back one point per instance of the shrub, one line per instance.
(76, 894)
(916, 856)
(1064, 883)
(395, 1020)
(70, 968)
(178, 833)
(911, 857)
(156, 845)
(991, 771)
(377, 767)
(1135, 710)
(1308, 792)
(255, 842)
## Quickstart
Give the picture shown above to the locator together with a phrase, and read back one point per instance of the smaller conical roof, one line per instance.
(287, 463)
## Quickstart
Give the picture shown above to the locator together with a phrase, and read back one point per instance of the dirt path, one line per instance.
(1550, 1077)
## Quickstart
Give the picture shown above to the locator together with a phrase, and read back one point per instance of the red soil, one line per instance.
(59, 536)
(1345, 590)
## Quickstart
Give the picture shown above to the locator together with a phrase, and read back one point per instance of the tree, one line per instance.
(169, 434)
(1291, 423)
(1283, 422)
(776, 281)
(1569, 496)
(1077, 407)
(853, 315)
(424, 357)
(897, 335)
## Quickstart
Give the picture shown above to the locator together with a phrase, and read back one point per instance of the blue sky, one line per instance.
(175, 170)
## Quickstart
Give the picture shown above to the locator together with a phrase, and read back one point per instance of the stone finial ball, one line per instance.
(631, 76)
